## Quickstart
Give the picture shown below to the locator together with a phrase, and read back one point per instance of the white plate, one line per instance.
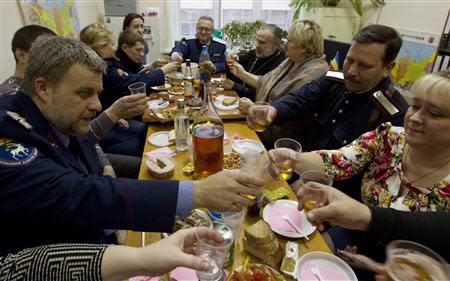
(160, 138)
(219, 105)
(330, 266)
(157, 104)
(162, 87)
(304, 224)
(242, 146)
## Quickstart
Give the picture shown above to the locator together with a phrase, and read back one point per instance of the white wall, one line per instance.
(89, 11)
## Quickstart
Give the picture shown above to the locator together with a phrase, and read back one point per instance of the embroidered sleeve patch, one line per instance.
(13, 154)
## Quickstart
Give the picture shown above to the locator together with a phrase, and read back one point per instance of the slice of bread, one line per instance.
(259, 232)
(229, 101)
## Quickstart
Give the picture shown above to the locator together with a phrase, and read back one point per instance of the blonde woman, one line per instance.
(125, 141)
(407, 169)
(305, 62)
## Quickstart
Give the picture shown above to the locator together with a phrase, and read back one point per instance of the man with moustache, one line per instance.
(267, 55)
(52, 188)
(338, 107)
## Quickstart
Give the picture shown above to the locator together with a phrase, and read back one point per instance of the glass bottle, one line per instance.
(181, 123)
(207, 139)
(188, 82)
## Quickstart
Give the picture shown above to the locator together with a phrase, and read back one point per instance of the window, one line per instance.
(236, 10)
(224, 11)
(190, 11)
(277, 12)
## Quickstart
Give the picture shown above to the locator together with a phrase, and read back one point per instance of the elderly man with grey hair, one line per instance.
(191, 46)
(267, 55)
(50, 177)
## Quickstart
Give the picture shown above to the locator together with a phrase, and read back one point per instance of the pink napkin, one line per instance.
(237, 138)
(184, 274)
(275, 220)
(306, 274)
(178, 274)
(164, 151)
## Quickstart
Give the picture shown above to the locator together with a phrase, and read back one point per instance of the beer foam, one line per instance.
(413, 266)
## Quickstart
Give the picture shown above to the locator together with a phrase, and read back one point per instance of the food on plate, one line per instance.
(260, 241)
(196, 218)
(194, 102)
(290, 259)
(177, 89)
(229, 101)
(161, 167)
(256, 272)
(231, 161)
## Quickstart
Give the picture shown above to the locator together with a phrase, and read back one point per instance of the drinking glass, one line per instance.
(259, 119)
(213, 252)
(235, 219)
(230, 57)
(313, 199)
(407, 260)
(289, 152)
(137, 88)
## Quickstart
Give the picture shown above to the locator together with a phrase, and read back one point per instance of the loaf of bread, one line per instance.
(260, 241)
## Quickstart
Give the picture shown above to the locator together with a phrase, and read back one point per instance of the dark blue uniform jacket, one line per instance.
(117, 80)
(47, 197)
(191, 48)
(332, 116)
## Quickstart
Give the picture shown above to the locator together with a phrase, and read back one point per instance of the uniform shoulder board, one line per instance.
(190, 37)
(383, 101)
(21, 120)
(14, 154)
(219, 40)
(335, 76)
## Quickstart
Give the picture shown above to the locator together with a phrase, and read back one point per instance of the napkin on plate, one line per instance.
(164, 151)
(279, 223)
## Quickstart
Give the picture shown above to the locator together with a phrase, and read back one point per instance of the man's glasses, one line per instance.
(204, 29)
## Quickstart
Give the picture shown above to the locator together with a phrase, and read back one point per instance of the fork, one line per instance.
(289, 221)
(315, 270)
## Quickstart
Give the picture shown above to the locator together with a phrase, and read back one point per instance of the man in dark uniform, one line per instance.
(337, 107)
(191, 46)
(52, 190)
(267, 55)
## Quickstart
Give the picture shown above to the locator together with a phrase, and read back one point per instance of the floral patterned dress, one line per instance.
(379, 154)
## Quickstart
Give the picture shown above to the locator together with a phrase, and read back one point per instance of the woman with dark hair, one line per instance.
(135, 23)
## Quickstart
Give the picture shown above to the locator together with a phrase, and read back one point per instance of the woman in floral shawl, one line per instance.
(407, 169)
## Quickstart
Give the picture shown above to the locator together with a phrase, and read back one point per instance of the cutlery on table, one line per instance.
(315, 270)
(287, 219)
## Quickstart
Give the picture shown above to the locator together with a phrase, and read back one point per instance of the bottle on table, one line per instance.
(207, 139)
(205, 65)
(181, 122)
(188, 82)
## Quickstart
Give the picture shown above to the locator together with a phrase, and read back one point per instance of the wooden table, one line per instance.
(232, 128)
(224, 114)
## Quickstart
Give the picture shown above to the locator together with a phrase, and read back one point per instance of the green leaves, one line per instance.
(308, 4)
(236, 31)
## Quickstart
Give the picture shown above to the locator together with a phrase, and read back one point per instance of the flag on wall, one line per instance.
(334, 64)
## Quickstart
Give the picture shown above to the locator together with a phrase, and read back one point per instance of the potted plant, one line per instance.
(241, 33)
(308, 4)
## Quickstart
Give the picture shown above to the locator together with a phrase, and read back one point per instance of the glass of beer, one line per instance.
(312, 200)
(207, 143)
(259, 118)
(407, 260)
(137, 88)
(288, 152)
